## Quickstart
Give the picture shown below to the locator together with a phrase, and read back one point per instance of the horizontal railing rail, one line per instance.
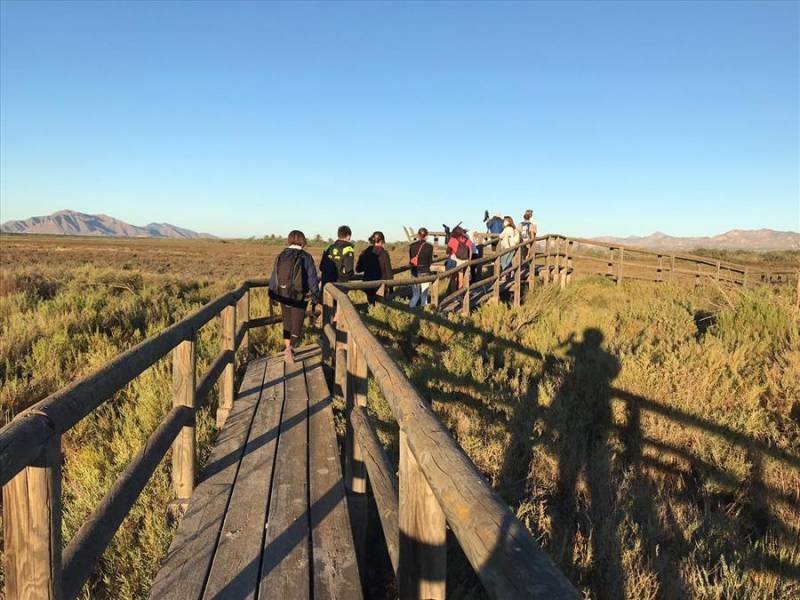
(30, 449)
(437, 485)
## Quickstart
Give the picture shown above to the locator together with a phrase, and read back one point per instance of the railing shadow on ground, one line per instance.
(586, 461)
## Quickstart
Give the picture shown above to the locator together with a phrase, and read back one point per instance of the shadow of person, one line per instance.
(581, 416)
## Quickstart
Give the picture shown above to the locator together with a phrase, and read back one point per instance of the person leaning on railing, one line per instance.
(420, 255)
(292, 284)
(374, 263)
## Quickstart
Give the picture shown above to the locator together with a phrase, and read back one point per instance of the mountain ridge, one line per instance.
(761, 240)
(71, 222)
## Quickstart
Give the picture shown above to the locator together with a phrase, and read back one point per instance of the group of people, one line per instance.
(294, 280)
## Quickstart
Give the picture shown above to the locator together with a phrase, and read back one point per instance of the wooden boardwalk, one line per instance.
(269, 517)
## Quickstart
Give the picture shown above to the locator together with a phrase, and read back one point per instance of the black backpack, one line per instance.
(289, 270)
(336, 254)
(462, 250)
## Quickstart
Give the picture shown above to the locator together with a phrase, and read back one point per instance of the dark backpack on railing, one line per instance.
(289, 275)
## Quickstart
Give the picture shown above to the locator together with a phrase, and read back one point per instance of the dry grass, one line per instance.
(649, 436)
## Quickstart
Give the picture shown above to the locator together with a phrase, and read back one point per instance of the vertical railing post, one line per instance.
(570, 250)
(434, 291)
(243, 315)
(719, 266)
(226, 384)
(183, 448)
(562, 270)
(516, 262)
(327, 319)
(610, 270)
(659, 269)
(355, 473)
(697, 275)
(32, 528)
(340, 357)
(620, 265)
(422, 566)
(496, 287)
(546, 262)
(467, 287)
(532, 265)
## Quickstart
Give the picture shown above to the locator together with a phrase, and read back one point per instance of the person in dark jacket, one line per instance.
(338, 258)
(374, 263)
(292, 284)
(420, 255)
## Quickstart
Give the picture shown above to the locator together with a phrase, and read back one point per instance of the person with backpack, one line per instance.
(338, 258)
(494, 226)
(509, 238)
(292, 283)
(459, 249)
(420, 254)
(527, 230)
(374, 263)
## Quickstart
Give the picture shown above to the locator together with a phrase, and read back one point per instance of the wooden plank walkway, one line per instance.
(269, 517)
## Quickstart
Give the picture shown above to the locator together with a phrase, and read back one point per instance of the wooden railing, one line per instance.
(30, 450)
(437, 484)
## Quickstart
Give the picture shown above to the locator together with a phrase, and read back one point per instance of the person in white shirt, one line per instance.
(509, 238)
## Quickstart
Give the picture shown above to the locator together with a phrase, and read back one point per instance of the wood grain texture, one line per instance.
(226, 384)
(422, 565)
(32, 529)
(184, 451)
(91, 540)
(234, 571)
(497, 545)
(335, 569)
(382, 480)
(183, 571)
(21, 440)
(285, 565)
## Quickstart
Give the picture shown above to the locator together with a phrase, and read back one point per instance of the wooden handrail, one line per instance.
(30, 454)
(499, 547)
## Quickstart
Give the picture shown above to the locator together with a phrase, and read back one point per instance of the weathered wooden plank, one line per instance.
(88, 544)
(234, 571)
(335, 569)
(382, 480)
(32, 522)
(183, 572)
(285, 568)
(226, 384)
(497, 545)
(20, 440)
(422, 567)
(184, 454)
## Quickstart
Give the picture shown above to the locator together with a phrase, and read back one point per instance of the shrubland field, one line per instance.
(647, 434)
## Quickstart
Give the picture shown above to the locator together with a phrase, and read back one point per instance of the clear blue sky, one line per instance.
(251, 118)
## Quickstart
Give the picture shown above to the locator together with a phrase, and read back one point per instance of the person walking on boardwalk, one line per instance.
(527, 230)
(509, 238)
(459, 249)
(374, 263)
(337, 262)
(420, 255)
(292, 284)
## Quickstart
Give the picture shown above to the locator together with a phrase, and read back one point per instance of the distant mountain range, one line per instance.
(735, 239)
(70, 222)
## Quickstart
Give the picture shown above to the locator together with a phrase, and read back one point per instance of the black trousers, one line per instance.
(293, 317)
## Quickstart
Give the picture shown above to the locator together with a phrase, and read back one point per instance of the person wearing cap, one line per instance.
(459, 249)
(420, 258)
(527, 230)
(374, 263)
